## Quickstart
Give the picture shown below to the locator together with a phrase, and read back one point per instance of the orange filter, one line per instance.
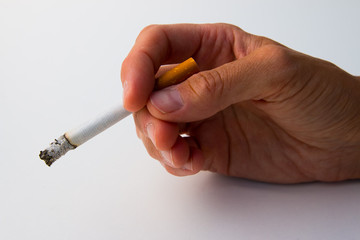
(178, 74)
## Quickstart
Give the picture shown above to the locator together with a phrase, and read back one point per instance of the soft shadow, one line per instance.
(234, 195)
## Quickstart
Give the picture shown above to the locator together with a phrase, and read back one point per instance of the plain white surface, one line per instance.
(60, 65)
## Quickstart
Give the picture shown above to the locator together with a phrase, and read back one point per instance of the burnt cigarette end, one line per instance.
(46, 157)
(56, 149)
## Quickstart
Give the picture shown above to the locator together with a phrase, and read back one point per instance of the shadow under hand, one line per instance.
(239, 203)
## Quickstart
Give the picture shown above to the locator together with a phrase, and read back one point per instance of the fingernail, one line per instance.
(125, 87)
(167, 100)
(166, 155)
(150, 132)
(188, 166)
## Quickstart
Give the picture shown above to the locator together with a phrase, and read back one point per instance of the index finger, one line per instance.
(210, 44)
(155, 45)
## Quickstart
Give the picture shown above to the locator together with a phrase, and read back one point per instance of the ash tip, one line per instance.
(44, 155)
(56, 149)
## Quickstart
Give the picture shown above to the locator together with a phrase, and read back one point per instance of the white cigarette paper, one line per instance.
(74, 138)
(77, 136)
(90, 129)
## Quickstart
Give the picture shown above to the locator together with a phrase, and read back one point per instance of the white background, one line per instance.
(60, 64)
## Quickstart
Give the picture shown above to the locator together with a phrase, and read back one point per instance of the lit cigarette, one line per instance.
(77, 136)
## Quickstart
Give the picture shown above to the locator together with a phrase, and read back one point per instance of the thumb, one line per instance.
(254, 77)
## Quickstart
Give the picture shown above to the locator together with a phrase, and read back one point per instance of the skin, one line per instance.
(257, 110)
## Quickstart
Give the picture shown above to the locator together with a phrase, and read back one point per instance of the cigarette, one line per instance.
(77, 136)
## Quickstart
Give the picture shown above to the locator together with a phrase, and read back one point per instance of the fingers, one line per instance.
(193, 166)
(258, 76)
(211, 45)
(241, 69)
(156, 45)
(180, 156)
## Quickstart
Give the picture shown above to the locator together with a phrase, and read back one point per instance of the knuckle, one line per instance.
(208, 86)
(210, 83)
(283, 63)
(280, 56)
(149, 31)
(150, 28)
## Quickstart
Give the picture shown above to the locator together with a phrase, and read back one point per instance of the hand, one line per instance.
(257, 110)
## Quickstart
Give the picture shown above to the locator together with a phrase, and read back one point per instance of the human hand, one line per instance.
(257, 110)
